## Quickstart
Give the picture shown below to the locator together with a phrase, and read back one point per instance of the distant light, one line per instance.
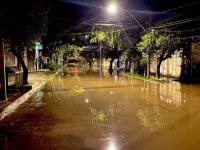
(86, 100)
(112, 8)
(86, 36)
(111, 92)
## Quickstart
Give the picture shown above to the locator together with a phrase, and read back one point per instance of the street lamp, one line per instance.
(112, 8)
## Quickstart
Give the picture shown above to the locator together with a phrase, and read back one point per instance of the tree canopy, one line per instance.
(23, 23)
(158, 45)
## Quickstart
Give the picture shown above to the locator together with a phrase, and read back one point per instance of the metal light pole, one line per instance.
(100, 57)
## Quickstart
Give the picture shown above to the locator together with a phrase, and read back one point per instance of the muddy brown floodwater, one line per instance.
(88, 112)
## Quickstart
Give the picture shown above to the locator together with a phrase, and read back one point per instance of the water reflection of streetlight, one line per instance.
(112, 146)
(86, 100)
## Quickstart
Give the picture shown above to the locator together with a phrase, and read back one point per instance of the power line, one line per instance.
(180, 31)
(178, 22)
(180, 7)
(191, 37)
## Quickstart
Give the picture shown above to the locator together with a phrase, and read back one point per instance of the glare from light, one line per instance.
(112, 8)
(112, 146)
(86, 100)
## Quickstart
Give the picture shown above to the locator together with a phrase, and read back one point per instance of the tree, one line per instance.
(166, 46)
(65, 49)
(147, 45)
(159, 45)
(110, 38)
(132, 54)
(23, 23)
(89, 56)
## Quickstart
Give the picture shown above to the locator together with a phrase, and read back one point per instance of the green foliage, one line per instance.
(70, 47)
(143, 61)
(109, 36)
(128, 44)
(99, 36)
(158, 44)
(147, 43)
(166, 45)
(63, 50)
(52, 66)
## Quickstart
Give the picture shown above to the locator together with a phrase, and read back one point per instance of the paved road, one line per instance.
(86, 112)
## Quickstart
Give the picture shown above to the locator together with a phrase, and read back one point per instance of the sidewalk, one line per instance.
(37, 80)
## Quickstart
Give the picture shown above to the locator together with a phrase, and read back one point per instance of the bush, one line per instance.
(52, 66)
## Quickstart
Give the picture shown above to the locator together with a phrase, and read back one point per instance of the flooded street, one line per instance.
(97, 111)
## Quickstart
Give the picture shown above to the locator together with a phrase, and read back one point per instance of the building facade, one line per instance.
(169, 67)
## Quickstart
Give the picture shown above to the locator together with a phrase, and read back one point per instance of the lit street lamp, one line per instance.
(112, 9)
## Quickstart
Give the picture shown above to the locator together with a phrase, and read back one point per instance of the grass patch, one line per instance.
(144, 78)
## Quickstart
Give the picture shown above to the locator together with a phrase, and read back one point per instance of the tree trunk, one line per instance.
(20, 64)
(129, 65)
(90, 65)
(126, 65)
(158, 68)
(25, 73)
(111, 62)
(136, 67)
(3, 93)
(52, 56)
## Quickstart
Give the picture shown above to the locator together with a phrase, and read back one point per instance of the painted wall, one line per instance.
(169, 67)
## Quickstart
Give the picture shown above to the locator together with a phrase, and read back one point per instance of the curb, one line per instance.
(157, 82)
(14, 105)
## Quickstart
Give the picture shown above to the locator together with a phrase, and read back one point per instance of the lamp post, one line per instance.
(100, 56)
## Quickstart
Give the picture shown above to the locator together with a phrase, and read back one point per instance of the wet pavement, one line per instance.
(96, 111)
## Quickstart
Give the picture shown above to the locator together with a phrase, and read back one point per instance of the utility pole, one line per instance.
(3, 93)
(148, 65)
(100, 65)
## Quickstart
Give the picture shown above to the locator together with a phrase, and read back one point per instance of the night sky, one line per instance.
(78, 12)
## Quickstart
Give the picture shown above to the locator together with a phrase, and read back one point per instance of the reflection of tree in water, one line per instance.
(103, 115)
(57, 90)
(94, 72)
(75, 91)
(163, 119)
(151, 119)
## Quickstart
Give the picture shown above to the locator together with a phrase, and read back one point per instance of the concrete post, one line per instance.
(3, 93)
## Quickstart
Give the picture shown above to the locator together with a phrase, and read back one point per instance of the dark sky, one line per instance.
(78, 12)
(92, 8)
